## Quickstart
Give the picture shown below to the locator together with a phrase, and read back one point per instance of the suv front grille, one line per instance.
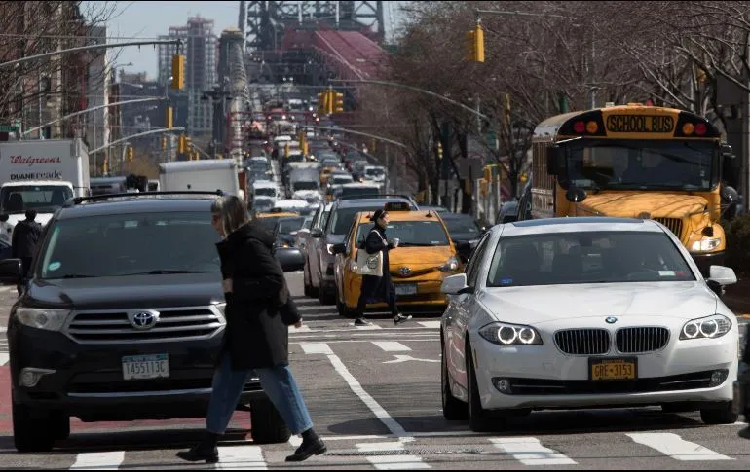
(673, 224)
(174, 324)
(641, 339)
(583, 342)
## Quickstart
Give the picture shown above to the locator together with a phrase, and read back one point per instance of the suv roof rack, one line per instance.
(79, 200)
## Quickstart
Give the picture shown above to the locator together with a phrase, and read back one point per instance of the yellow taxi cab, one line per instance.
(425, 256)
(269, 219)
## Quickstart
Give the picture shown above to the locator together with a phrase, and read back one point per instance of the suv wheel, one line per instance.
(266, 424)
(61, 425)
(33, 432)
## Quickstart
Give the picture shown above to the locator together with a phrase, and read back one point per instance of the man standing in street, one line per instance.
(25, 237)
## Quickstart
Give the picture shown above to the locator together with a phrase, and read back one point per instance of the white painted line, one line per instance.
(673, 445)
(367, 327)
(392, 461)
(430, 324)
(295, 441)
(363, 437)
(6, 288)
(241, 458)
(4, 358)
(303, 329)
(367, 399)
(99, 461)
(529, 451)
(316, 348)
(390, 346)
(3, 330)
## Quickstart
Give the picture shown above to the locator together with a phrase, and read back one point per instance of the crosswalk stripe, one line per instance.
(673, 445)
(303, 329)
(4, 358)
(99, 461)
(316, 348)
(529, 451)
(430, 324)
(367, 327)
(241, 458)
(390, 461)
(390, 346)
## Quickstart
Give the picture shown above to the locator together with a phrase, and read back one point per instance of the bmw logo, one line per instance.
(611, 320)
(142, 320)
(405, 271)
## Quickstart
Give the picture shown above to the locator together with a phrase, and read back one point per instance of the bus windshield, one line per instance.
(644, 164)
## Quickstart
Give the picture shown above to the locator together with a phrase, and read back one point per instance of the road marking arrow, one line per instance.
(405, 358)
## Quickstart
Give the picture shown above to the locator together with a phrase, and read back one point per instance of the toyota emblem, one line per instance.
(611, 320)
(405, 271)
(143, 320)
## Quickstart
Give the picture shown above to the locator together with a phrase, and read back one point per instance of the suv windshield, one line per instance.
(410, 233)
(357, 192)
(461, 226)
(596, 257)
(110, 245)
(42, 198)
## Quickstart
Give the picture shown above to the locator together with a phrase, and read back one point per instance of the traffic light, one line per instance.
(339, 103)
(182, 144)
(129, 153)
(169, 117)
(178, 72)
(439, 150)
(303, 143)
(323, 103)
(164, 142)
(105, 170)
(507, 109)
(475, 44)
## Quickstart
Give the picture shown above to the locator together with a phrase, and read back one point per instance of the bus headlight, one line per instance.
(705, 244)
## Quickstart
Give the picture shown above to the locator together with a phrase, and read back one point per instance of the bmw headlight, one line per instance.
(709, 327)
(505, 334)
(40, 318)
(451, 265)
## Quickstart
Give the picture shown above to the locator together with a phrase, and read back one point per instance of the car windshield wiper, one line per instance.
(416, 244)
(76, 276)
(165, 271)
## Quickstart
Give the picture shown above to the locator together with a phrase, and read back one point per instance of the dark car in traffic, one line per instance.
(123, 319)
(464, 231)
(285, 231)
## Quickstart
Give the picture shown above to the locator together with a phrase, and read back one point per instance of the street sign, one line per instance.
(8, 129)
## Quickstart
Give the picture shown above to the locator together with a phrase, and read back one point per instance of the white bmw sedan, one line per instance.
(570, 313)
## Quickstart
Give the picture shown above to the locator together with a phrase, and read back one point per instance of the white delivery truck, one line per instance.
(304, 181)
(42, 175)
(201, 176)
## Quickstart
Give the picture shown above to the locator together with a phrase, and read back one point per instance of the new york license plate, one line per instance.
(145, 367)
(406, 289)
(613, 369)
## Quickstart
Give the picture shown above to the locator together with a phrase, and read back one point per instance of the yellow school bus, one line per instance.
(636, 161)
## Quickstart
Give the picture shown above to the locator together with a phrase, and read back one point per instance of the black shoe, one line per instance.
(400, 318)
(306, 450)
(205, 451)
(361, 321)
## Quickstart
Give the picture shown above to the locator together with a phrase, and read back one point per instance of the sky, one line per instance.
(148, 19)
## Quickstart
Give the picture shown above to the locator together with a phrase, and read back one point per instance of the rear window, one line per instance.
(286, 226)
(355, 192)
(112, 245)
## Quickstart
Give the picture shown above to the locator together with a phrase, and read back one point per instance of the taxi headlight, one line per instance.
(47, 319)
(708, 327)
(706, 244)
(505, 334)
(451, 265)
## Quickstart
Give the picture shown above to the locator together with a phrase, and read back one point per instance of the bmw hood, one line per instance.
(539, 304)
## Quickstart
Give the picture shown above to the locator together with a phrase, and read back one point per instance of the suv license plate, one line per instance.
(145, 367)
(406, 289)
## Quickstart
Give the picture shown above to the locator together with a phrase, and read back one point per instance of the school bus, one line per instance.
(636, 161)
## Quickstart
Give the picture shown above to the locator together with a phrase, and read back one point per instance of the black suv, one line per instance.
(122, 319)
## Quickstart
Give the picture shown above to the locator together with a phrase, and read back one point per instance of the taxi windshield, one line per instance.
(410, 233)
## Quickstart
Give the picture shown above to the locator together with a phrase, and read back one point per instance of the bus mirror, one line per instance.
(555, 160)
(575, 194)
(729, 194)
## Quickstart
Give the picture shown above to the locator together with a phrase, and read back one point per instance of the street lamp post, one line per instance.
(219, 96)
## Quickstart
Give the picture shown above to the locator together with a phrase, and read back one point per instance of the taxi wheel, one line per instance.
(478, 416)
(720, 415)
(453, 408)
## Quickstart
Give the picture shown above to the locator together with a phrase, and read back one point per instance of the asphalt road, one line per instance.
(374, 395)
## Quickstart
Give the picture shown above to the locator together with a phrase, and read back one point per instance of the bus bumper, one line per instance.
(706, 260)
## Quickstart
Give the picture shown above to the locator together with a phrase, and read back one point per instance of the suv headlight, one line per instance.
(708, 327)
(40, 318)
(506, 334)
(329, 248)
(451, 265)
(706, 244)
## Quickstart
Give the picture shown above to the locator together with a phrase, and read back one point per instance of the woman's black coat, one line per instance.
(377, 289)
(255, 335)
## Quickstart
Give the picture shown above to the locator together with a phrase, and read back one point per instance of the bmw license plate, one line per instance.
(613, 369)
(145, 367)
(406, 289)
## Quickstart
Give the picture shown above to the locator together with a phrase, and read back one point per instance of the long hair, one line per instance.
(234, 214)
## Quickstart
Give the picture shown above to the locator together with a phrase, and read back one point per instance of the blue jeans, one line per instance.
(277, 382)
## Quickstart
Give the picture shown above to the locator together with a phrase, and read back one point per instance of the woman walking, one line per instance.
(255, 336)
(378, 289)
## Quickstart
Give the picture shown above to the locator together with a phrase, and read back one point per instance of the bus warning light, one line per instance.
(579, 127)
(700, 129)
(688, 129)
(592, 127)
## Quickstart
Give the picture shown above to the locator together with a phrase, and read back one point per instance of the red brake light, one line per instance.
(700, 129)
(579, 127)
